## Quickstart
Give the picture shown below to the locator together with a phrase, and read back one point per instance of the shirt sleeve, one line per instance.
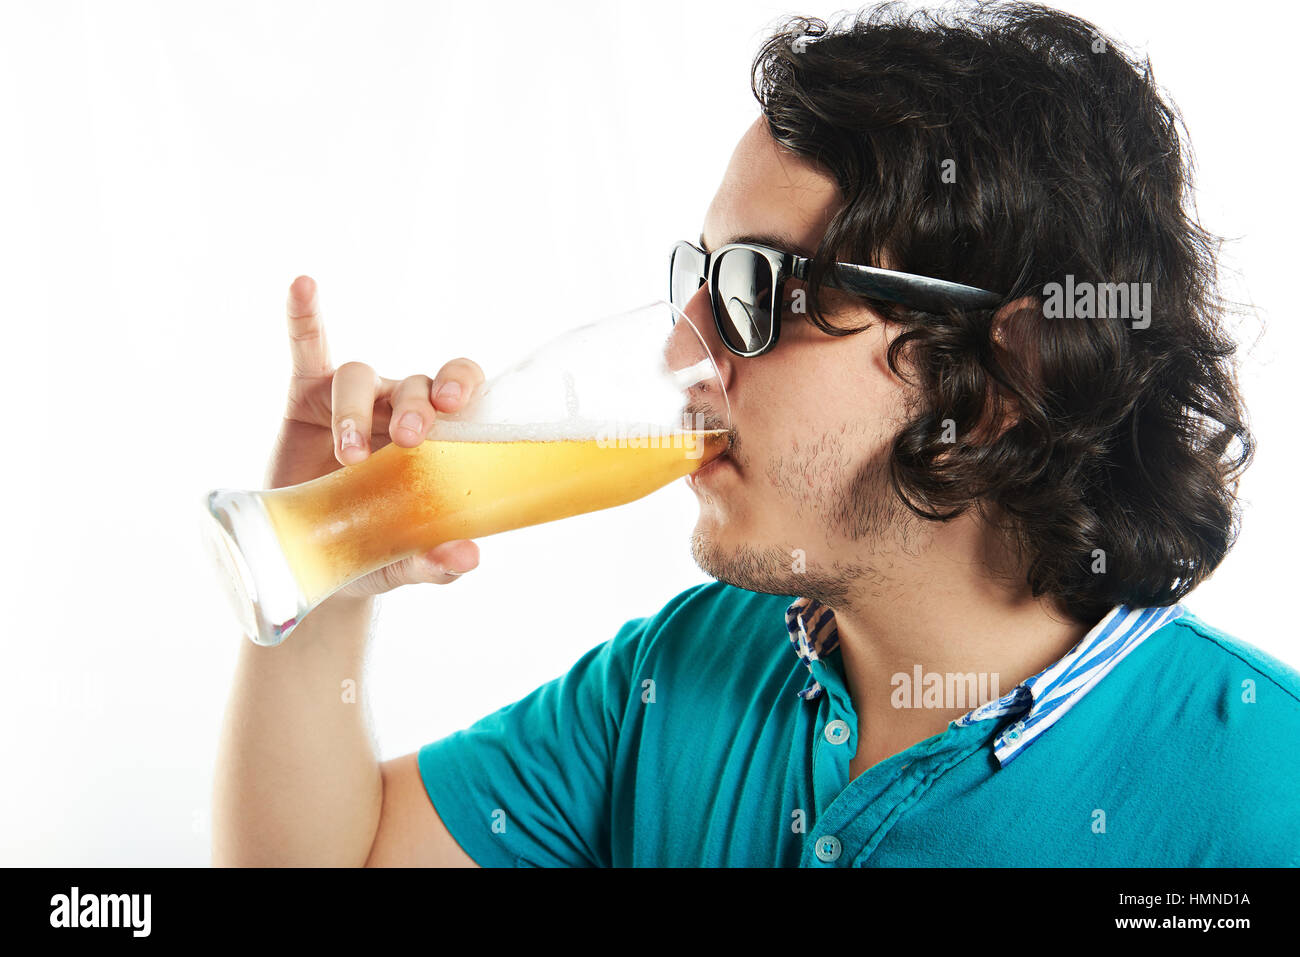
(530, 784)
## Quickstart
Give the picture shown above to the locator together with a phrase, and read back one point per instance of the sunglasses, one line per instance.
(747, 289)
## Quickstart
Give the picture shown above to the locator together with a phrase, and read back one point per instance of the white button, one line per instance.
(1013, 732)
(827, 848)
(837, 732)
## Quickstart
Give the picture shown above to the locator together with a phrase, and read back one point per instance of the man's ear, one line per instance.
(1004, 324)
(1010, 346)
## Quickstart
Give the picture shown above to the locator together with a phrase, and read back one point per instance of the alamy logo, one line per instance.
(643, 436)
(101, 910)
(932, 689)
(1100, 300)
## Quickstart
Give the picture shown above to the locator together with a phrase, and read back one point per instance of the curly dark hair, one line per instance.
(1115, 440)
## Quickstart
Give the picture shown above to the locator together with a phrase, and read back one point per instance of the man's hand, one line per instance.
(336, 417)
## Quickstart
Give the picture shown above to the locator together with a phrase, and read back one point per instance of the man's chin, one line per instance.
(764, 569)
(775, 570)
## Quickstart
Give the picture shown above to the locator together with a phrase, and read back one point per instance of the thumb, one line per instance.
(415, 570)
(438, 566)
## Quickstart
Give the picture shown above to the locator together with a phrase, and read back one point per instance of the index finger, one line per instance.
(307, 344)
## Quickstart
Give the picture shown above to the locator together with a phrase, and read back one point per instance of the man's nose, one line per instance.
(700, 311)
(686, 347)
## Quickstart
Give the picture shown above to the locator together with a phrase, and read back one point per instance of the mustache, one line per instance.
(710, 421)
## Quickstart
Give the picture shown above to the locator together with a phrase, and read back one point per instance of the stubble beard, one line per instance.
(862, 516)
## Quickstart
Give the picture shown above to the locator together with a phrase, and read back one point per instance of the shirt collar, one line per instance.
(1037, 702)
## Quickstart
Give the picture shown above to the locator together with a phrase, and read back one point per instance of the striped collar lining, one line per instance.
(1038, 702)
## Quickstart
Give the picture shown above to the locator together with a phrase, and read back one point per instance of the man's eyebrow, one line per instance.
(783, 243)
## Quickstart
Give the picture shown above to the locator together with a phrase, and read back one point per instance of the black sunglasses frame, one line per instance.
(908, 289)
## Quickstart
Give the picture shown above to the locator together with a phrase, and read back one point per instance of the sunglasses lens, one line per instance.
(686, 275)
(743, 299)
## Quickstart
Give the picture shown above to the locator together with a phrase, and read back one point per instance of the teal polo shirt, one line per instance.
(718, 732)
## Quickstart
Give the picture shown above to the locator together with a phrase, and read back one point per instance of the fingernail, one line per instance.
(412, 423)
(449, 393)
(450, 572)
(351, 438)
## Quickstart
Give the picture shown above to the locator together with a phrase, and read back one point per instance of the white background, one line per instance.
(167, 169)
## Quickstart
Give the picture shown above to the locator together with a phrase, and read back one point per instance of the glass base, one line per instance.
(259, 584)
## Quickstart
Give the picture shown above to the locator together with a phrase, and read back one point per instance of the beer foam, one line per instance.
(567, 430)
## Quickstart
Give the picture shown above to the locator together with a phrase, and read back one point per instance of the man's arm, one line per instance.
(411, 834)
(298, 782)
(297, 779)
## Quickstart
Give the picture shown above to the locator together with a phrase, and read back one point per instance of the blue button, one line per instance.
(827, 848)
(837, 732)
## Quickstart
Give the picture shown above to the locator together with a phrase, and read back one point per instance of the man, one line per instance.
(968, 486)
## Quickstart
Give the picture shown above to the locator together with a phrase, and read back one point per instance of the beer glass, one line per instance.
(602, 415)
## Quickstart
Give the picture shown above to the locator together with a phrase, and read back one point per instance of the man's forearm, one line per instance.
(297, 777)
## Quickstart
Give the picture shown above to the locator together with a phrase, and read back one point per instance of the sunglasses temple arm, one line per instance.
(917, 291)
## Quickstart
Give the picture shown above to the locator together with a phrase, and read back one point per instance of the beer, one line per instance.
(599, 416)
(402, 501)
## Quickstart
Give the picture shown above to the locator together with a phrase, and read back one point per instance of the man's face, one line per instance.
(802, 504)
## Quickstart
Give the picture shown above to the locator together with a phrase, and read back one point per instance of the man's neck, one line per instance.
(945, 611)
